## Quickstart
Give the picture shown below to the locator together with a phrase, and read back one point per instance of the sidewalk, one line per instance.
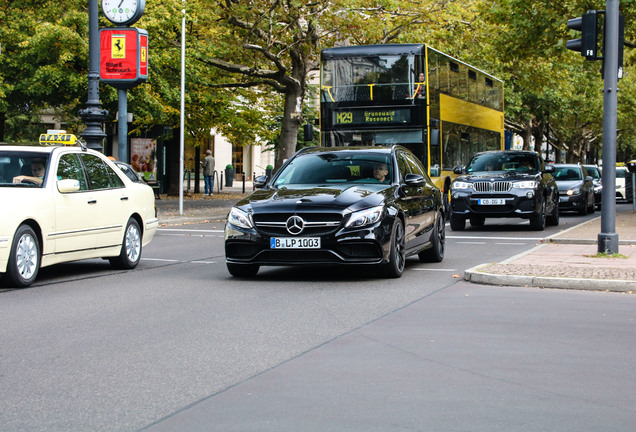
(566, 260)
(199, 208)
(569, 260)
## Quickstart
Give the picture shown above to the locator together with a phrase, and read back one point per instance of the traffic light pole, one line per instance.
(608, 238)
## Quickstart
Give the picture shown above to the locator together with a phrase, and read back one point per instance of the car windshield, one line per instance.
(567, 173)
(20, 168)
(337, 167)
(501, 162)
(594, 172)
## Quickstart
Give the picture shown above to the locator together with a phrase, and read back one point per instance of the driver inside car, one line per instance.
(37, 169)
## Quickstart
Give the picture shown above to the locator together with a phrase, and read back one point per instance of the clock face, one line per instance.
(123, 11)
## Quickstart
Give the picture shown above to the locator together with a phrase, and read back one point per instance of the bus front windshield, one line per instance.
(372, 78)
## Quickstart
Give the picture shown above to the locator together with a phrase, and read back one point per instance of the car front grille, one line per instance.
(498, 186)
(315, 224)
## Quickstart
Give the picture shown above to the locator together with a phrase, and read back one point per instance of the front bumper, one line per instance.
(369, 245)
(471, 204)
(572, 202)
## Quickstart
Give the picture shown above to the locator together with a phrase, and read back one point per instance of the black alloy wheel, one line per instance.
(397, 256)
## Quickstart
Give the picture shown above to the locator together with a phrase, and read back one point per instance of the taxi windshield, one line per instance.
(22, 169)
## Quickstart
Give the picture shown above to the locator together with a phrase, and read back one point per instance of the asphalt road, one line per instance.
(178, 344)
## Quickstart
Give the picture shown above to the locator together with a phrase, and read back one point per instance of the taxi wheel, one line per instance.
(130, 249)
(397, 256)
(24, 259)
(242, 270)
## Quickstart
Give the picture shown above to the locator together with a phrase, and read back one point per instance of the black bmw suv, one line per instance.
(507, 183)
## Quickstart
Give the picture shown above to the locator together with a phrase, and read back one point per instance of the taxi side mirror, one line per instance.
(68, 185)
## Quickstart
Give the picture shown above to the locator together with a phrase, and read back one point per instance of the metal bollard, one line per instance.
(243, 182)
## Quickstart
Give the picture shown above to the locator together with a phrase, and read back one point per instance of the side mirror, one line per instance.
(458, 170)
(414, 180)
(68, 185)
(549, 169)
(260, 181)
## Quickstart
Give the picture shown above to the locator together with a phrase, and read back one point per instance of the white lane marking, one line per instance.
(435, 269)
(160, 259)
(495, 238)
(512, 244)
(179, 261)
(188, 230)
(479, 243)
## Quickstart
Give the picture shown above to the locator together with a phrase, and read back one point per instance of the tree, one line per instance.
(277, 44)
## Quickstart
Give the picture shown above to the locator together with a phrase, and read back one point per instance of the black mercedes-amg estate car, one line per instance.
(505, 183)
(339, 205)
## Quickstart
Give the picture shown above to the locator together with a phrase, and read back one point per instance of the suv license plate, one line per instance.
(491, 201)
(294, 243)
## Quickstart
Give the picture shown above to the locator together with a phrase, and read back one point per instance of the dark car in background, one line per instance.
(597, 178)
(505, 184)
(576, 188)
(348, 205)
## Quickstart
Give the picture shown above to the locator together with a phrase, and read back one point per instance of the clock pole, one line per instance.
(93, 116)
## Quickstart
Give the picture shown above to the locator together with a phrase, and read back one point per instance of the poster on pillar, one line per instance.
(143, 157)
(123, 59)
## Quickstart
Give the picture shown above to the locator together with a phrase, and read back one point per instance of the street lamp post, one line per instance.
(93, 116)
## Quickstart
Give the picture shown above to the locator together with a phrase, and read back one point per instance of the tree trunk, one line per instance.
(3, 121)
(526, 134)
(290, 124)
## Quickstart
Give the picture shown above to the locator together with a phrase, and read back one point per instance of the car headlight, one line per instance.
(598, 188)
(365, 217)
(529, 184)
(575, 191)
(461, 185)
(240, 218)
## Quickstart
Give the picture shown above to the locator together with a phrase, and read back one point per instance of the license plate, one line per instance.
(491, 201)
(294, 243)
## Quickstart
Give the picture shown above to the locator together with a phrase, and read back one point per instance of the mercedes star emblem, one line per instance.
(295, 225)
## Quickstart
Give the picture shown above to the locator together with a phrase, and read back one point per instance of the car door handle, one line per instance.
(92, 202)
(124, 198)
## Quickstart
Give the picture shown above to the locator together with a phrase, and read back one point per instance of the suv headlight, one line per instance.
(529, 184)
(365, 217)
(240, 218)
(461, 185)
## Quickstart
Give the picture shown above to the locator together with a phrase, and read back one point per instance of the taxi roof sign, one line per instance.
(57, 138)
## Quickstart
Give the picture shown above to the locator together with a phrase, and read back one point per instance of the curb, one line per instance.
(475, 276)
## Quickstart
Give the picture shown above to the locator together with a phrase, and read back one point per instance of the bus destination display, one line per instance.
(368, 117)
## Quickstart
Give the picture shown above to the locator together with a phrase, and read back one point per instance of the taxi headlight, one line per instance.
(462, 185)
(529, 184)
(365, 217)
(240, 218)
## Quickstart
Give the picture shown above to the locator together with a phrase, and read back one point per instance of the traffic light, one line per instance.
(587, 44)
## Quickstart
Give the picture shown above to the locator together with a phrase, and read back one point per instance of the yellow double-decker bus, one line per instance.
(440, 108)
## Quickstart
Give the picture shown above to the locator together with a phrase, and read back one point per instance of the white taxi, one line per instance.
(64, 202)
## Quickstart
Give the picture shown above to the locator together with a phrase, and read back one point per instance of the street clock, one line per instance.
(123, 12)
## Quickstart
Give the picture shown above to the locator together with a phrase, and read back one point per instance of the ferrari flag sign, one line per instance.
(123, 59)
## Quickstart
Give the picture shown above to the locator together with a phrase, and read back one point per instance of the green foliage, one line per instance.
(247, 66)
